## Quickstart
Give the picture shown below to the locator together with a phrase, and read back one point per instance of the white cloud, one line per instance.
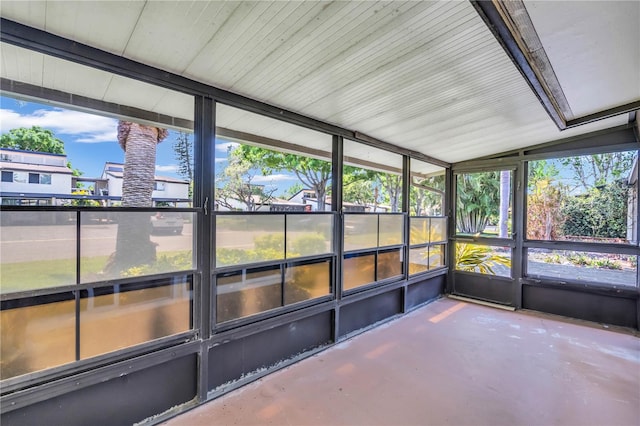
(87, 128)
(272, 178)
(221, 160)
(172, 168)
(224, 147)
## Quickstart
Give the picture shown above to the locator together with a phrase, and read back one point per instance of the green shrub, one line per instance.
(475, 258)
(269, 242)
(602, 213)
(164, 263)
(307, 245)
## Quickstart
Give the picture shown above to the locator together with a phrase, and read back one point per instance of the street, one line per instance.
(54, 242)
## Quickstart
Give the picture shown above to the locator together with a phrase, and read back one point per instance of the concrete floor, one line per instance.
(450, 363)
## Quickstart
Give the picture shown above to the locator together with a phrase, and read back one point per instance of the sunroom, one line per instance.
(338, 165)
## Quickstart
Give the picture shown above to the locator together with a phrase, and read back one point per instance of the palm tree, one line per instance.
(139, 144)
(134, 246)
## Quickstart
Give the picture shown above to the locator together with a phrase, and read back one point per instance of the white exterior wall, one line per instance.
(60, 184)
(115, 186)
(172, 190)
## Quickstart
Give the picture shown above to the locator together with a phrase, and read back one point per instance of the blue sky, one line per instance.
(91, 140)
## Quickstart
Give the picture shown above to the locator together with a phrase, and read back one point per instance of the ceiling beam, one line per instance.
(509, 22)
(30, 92)
(493, 18)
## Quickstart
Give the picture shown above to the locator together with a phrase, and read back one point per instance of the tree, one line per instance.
(545, 198)
(544, 216)
(313, 173)
(427, 195)
(133, 245)
(235, 183)
(392, 184)
(34, 139)
(505, 189)
(599, 169)
(365, 187)
(139, 143)
(478, 197)
(293, 190)
(357, 188)
(183, 149)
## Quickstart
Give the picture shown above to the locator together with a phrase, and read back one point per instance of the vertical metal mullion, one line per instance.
(518, 218)
(449, 211)
(377, 252)
(636, 235)
(283, 265)
(203, 196)
(337, 163)
(77, 292)
(406, 198)
(406, 210)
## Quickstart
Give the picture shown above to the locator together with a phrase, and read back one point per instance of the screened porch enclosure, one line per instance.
(182, 217)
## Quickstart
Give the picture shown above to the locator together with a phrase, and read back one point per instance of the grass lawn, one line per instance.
(23, 276)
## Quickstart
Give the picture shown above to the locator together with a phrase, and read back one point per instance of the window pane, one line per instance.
(590, 198)
(389, 264)
(37, 335)
(391, 230)
(34, 178)
(426, 258)
(249, 238)
(248, 292)
(308, 235)
(113, 318)
(304, 282)
(92, 143)
(45, 179)
(436, 256)
(264, 164)
(602, 268)
(37, 250)
(360, 231)
(438, 232)
(483, 259)
(372, 179)
(124, 244)
(418, 260)
(20, 177)
(419, 232)
(358, 270)
(427, 189)
(483, 204)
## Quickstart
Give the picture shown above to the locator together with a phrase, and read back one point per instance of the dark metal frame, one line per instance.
(470, 167)
(490, 13)
(621, 138)
(25, 390)
(444, 243)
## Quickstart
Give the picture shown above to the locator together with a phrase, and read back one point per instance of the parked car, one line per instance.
(167, 222)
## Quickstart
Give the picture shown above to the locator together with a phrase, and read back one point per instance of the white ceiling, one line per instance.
(427, 76)
(594, 47)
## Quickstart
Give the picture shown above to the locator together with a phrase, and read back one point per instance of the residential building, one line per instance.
(165, 189)
(33, 177)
